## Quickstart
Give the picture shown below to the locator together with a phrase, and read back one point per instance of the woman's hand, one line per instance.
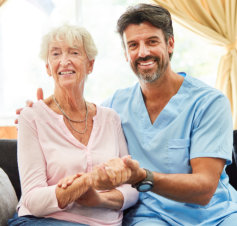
(67, 181)
(71, 193)
(112, 199)
(90, 199)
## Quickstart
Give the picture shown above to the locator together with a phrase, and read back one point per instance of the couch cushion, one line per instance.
(8, 162)
(8, 199)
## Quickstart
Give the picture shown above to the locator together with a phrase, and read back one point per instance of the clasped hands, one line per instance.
(109, 175)
(90, 188)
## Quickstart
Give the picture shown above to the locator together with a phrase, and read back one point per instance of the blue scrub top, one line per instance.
(196, 122)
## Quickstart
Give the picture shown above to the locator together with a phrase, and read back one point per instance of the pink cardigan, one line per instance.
(47, 152)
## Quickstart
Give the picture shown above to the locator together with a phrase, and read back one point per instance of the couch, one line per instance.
(10, 190)
(8, 164)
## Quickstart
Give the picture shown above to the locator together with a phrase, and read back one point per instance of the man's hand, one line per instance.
(100, 178)
(111, 174)
(116, 172)
(137, 173)
(40, 96)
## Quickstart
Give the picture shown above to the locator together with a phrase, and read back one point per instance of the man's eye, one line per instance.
(132, 46)
(153, 42)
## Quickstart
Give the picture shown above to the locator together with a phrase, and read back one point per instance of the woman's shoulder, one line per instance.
(39, 110)
(29, 114)
(107, 113)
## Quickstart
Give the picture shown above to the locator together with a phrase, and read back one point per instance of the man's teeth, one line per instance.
(66, 72)
(146, 63)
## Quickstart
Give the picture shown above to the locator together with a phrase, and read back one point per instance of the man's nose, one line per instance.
(143, 51)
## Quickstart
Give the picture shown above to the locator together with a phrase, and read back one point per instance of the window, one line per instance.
(23, 22)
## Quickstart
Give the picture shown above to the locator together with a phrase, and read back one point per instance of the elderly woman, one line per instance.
(65, 135)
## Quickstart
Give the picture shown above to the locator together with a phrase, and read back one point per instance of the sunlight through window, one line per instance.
(23, 22)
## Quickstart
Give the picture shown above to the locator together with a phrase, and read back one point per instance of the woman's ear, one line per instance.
(91, 66)
(48, 69)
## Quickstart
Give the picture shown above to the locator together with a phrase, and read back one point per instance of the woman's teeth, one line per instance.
(66, 72)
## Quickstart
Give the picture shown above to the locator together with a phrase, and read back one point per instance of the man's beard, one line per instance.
(148, 76)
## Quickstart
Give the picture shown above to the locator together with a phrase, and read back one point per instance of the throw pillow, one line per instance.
(8, 199)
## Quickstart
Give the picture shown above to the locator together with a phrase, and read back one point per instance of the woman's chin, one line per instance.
(70, 82)
(67, 84)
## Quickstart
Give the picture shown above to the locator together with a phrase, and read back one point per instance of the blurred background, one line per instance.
(23, 22)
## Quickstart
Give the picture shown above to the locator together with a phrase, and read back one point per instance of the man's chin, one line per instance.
(148, 78)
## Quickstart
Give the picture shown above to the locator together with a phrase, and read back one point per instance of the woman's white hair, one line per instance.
(70, 34)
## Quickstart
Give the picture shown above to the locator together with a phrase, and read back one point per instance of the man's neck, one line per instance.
(157, 94)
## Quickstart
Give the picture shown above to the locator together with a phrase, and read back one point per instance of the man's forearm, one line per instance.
(197, 187)
(188, 188)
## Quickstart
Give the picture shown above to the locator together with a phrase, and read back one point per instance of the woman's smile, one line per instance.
(67, 74)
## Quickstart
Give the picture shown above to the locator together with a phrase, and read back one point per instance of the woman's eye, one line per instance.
(74, 52)
(55, 54)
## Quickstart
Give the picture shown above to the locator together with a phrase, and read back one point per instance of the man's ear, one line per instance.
(48, 69)
(171, 45)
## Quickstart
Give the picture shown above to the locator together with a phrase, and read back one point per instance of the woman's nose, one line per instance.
(65, 60)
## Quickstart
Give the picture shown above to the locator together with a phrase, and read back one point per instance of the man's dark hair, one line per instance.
(156, 15)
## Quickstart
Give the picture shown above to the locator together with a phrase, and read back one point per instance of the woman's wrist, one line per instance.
(73, 192)
(82, 185)
(87, 180)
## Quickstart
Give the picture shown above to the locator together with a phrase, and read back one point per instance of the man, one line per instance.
(177, 128)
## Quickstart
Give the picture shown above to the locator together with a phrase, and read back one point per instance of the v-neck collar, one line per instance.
(64, 129)
(168, 113)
